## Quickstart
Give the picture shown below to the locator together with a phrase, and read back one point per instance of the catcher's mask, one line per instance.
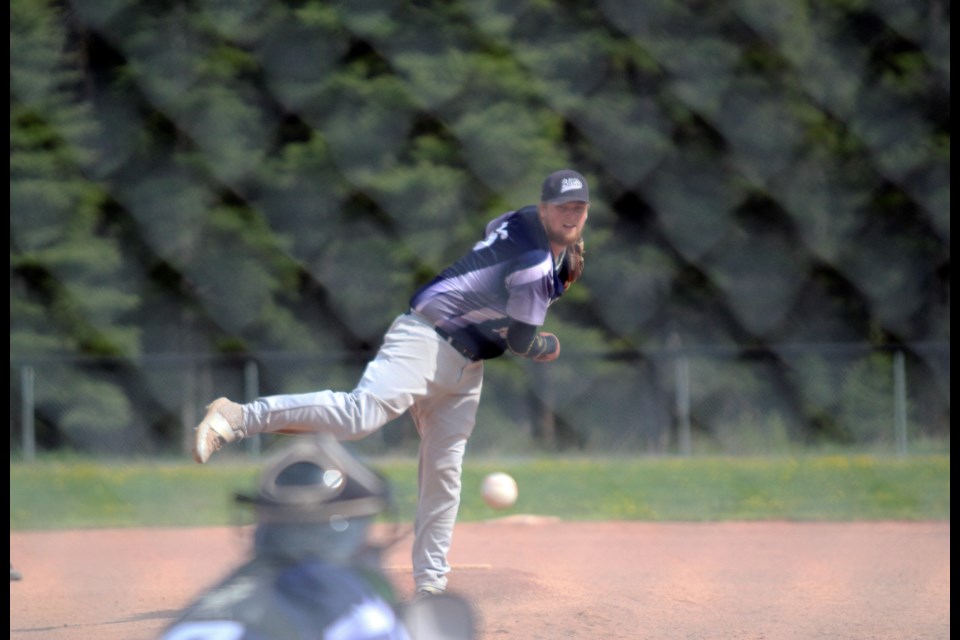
(316, 480)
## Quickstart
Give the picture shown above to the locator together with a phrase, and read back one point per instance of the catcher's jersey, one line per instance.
(311, 599)
(510, 275)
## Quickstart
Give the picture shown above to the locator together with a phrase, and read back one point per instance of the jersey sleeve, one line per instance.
(529, 289)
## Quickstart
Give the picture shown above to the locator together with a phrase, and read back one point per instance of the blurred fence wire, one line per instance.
(768, 247)
(682, 401)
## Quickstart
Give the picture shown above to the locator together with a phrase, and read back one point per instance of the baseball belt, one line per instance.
(458, 346)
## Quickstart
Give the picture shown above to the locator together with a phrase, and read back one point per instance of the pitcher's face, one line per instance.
(564, 222)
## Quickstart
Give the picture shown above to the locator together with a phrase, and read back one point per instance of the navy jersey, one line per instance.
(510, 275)
(309, 600)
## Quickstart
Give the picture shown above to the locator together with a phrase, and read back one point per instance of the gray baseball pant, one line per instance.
(414, 370)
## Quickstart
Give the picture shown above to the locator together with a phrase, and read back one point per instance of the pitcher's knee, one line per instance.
(367, 414)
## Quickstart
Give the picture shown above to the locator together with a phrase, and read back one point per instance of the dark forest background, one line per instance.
(219, 182)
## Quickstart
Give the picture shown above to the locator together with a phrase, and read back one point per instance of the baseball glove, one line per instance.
(573, 266)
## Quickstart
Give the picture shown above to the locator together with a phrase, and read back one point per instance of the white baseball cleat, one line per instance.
(222, 424)
(427, 591)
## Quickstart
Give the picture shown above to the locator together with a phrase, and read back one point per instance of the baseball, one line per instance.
(499, 490)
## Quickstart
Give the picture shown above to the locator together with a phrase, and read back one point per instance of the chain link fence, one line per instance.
(674, 401)
(768, 247)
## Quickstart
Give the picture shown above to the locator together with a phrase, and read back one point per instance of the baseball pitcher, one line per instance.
(492, 300)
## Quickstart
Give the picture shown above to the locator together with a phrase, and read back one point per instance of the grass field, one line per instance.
(60, 494)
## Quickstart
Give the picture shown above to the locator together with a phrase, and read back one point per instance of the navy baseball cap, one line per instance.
(565, 186)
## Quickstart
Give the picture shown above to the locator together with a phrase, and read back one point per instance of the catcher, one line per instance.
(315, 571)
(492, 300)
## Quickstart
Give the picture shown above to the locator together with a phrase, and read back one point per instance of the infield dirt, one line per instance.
(539, 579)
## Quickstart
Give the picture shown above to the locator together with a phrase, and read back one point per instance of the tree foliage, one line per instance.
(282, 175)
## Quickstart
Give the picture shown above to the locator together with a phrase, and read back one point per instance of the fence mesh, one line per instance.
(672, 402)
(770, 226)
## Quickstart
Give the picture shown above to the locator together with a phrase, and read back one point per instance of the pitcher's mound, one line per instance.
(524, 518)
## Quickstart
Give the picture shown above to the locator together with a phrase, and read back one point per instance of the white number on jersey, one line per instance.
(205, 630)
(499, 233)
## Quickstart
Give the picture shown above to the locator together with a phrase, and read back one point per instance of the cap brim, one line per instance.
(270, 511)
(569, 198)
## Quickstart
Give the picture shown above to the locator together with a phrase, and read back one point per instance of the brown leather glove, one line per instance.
(573, 268)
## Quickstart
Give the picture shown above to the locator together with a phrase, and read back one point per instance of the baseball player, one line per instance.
(492, 300)
(313, 573)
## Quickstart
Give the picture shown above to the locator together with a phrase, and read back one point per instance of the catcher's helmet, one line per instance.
(316, 480)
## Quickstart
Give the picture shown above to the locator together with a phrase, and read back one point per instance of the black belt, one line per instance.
(466, 352)
(462, 349)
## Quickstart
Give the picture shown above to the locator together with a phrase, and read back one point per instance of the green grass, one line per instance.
(59, 494)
